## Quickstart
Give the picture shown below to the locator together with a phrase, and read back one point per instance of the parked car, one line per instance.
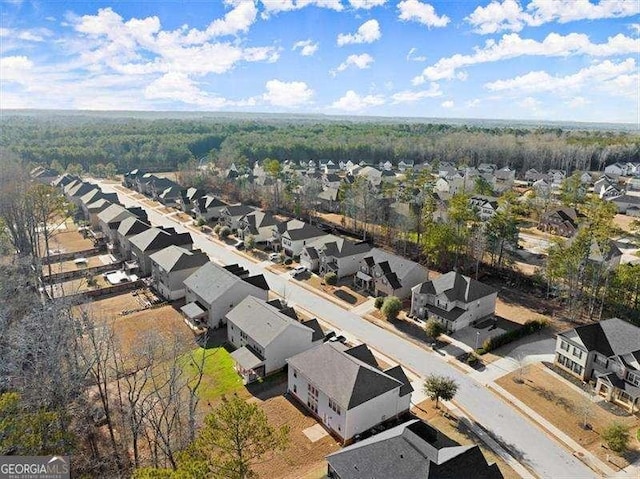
(297, 271)
(275, 257)
(239, 244)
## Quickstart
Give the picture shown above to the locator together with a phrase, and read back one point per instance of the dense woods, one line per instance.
(164, 143)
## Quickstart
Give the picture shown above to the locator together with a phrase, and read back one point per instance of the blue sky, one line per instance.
(534, 59)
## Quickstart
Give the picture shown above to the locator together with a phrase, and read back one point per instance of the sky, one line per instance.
(564, 60)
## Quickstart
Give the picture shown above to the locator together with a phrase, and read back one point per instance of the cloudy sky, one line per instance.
(528, 59)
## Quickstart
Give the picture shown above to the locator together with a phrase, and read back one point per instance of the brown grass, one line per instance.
(624, 222)
(92, 262)
(448, 426)
(68, 241)
(561, 405)
(302, 458)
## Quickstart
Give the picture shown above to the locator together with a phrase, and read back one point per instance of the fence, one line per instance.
(80, 273)
(59, 258)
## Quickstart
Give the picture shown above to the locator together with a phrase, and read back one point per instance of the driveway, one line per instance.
(526, 442)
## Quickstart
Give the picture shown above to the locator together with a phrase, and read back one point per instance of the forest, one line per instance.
(158, 143)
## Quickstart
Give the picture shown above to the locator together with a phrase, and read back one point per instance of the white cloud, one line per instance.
(307, 47)
(237, 20)
(541, 81)
(635, 27)
(178, 86)
(577, 102)
(287, 94)
(529, 103)
(411, 96)
(473, 103)
(359, 61)
(447, 104)
(276, 6)
(412, 57)
(353, 102)
(424, 13)
(368, 32)
(509, 14)
(16, 69)
(512, 46)
(366, 4)
(28, 35)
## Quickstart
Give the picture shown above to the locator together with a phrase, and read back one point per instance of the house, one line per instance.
(404, 165)
(257, 224)
(626, 203)
(616, 169)
(542, 187)
(384, 274)
(159, 186)
(561, 221)
(129, 227)
(110, 218)
(412, 450)
(78, 190)
(607, 352)
(345, 389)
(129, 179)
(208, 207)
(331, 180)
(607, 187)
(188, 198)
(292, 236)
(489, 168)
(532, 175)
(607, 255)
(341, 257)
(503, 179)
(328, 200)
(265, 337)
(92, 210)
(171, 266)
(485, 206)
(144, 244)
(453, 299)
(327, 166)
(231, 215)
(63, 180)
(585, 178)
(371, 174)
(556, 177)
(171, 196)
(43, 175)
(93, 197)
(212, 291)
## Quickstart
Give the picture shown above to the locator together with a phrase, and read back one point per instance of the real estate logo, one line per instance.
(34, 467)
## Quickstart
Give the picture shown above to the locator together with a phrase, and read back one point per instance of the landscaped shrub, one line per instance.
(224, 232)
(201, 222)
(378, 302)
(433, 328)
(391, 307)
(616, 436)
(249, 242)
(530, 327)
(288, 261)
(216, 229)
(331, 278)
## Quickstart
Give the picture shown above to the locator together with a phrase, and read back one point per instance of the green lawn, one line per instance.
(219, 376)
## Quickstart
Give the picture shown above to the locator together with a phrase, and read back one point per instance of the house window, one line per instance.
(577, 352)
(243, 335)
(564, 346)
(334, 407)
(295, 389)
(295, 373)
(623, 396)
(313, 392)
(634, 379)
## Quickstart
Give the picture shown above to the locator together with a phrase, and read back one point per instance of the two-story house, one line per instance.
(503, 179)
(208, 208)
(345, 389)
(231, 215)
(294, 235)
(213, 290)
(607, 352)
(171, 195)
(92, 211)
(265, 337)
(485, 206)
(128, 227)
(171, 266)
(144, 244)
(561, 221)
(453, 299)
(189, 197)
(341, 257)
(412, 450)
(110, 218)
(381, 273)
(257, 224)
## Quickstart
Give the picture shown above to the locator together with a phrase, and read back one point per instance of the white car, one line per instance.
(297, 271)
(275, 257)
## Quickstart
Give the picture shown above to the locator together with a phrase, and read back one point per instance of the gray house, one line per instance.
(208, 207)
(110, 218)
(232, 214)
(265, 337)
(144, 244)
(258, 224)
(454, 300)
(384, 274)
(412, 450)
(339, 256)
(212, 291)
(128, 227)
(171, 266)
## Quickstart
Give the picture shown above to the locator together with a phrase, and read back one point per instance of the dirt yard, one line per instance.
(302, 458)
(184, 218)
(342, 292)
(67, 241)
(79, 285)
(449, 427)
(92, 262)
(624, 222)
(565, 408)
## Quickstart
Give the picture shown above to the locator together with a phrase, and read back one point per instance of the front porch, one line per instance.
(618, 391)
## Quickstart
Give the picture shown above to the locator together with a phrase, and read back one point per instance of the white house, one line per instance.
(340, 256)
(258, 224)
(616, 169)
(232, 214)
(212, 291)
(485, 206)
(454, 300)
(346, 390)
(297, 235)
(171, 266)
(265, 337)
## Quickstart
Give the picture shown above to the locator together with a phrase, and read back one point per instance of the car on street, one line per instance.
(239, 245)
(297, 271)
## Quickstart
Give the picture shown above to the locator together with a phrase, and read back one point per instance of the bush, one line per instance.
(216, 229)
(331, 278)
(433, 328)
(224, 232)
(616, 437)
(288, 261)
(391, 307)
(530, 327)
(249, 242)
(201, 222)
(378, 302)
(480, 351)
(472, 359)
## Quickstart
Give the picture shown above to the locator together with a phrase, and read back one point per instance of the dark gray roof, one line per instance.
(132, 226)
(99, 205)
(342, 248)
(611, 337)
(114, 214)
(258, 280)
(344, 378)
(259, 219)
(175, 258)
(155, 239)
(311, 252)
(456, 287)
(238, 210)
(630, 199)
(318, 332)
(398, 373)
(262, 322)
(305, 232)
(212, 281)
(411, 451)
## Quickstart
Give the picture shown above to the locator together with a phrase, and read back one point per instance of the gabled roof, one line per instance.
(238, 210)
(318, 333)
(303, 232)
(456, 287)
(345, 379)
(155, 239)
(115, 214)
(175, 258)
(259, 219)
(80, 189)
(173, 191)
(341, 248)
(261, 321)
(413, 450)
(212, 281)
(392, 263)
(132, 226)
(99, 205)
(611, 337)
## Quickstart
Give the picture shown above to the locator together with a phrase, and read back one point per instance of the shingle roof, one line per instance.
(155, 239)
(114, 214)
(212, 281)
(175, 258)
(609, 337)
(305, 232)
(239, 210)
(412, 450)
(342, 248)
(132, 226)
(344, 378)
(456, 287)
(318, 332)
(261, 321)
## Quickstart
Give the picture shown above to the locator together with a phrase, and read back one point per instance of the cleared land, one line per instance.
(67, 241)
(72, 265)
(624, 222)
(564, 407)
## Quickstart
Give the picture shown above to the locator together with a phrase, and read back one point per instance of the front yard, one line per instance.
(565, 408)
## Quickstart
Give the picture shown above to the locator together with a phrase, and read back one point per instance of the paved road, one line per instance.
(525, 441)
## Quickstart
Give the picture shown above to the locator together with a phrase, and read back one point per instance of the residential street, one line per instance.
(525, 441)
